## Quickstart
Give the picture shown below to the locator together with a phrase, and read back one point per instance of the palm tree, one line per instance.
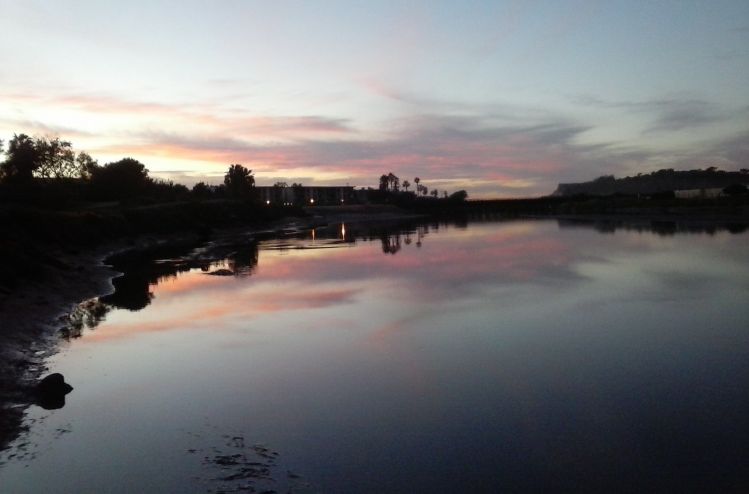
(239, 181)
(384, 182)
(394, 182)
(406, 185)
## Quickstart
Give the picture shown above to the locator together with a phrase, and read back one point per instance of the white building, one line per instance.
(698, 193)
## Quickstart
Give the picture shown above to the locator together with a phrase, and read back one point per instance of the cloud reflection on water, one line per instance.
(434, 269)
(528, 351)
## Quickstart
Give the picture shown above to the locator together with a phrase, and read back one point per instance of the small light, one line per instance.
(312, 201)
(267, 202)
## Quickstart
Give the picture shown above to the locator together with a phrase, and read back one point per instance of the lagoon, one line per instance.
(490, 356)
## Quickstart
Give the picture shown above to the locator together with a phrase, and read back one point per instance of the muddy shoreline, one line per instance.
(36, 314)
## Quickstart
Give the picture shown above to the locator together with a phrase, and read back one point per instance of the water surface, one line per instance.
(489, 357)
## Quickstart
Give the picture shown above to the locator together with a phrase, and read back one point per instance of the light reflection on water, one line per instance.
(518, 356)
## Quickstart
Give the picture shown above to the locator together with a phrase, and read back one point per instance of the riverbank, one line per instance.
(35, 313)
(32, 314)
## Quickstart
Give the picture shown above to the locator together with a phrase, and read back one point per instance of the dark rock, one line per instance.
(54, 383)
(51, 391)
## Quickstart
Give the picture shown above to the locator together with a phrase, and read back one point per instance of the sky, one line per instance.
(500, 98)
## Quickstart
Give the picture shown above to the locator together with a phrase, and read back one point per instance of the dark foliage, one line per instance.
(158, 190)
(458, 196)
(736, 190)
(201, 191)
(127, 177)
(43, 158)
(239, 181)
(56, 159)
(22, 159)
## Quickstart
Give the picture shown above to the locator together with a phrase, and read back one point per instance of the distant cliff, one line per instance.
(651, 183)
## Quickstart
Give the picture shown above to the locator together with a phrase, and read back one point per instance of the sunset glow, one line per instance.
(502, 99)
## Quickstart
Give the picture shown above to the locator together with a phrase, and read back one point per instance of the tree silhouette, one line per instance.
(406, 185)
(127, 177)
(56, 159)
(45, 158)
(201, 190)
(239, 181)
(394, 182)
(459, 196)
(384, 183)
(86, 165)
(22, 159)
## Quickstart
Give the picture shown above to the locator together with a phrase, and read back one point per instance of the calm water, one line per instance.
(497, 357)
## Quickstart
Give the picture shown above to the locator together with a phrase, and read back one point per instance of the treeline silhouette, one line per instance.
(392, 191)
(55, 200)
(661, 183)
(48, 172)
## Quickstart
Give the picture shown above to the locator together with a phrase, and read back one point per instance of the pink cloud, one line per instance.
(495, 150)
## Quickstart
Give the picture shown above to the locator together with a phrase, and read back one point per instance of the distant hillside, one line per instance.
(660, 181)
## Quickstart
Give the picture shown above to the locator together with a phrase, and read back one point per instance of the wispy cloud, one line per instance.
(42, 128)
(210, 117)
(667, 114)
(673, 115)
(488, 149)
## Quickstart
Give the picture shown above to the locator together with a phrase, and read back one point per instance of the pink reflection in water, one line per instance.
(444, 264)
